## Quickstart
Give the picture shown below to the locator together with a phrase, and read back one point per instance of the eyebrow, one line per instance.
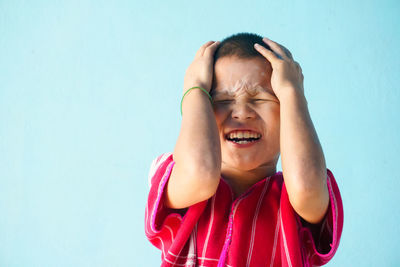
(257, 89)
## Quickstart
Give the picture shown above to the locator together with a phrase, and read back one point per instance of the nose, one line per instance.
(242, 111)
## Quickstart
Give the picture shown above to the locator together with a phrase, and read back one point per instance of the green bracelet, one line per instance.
(204, 90)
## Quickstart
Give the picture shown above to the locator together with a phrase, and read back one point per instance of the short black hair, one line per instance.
(240, 45)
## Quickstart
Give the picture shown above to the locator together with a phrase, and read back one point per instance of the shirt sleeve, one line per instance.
(321, 240)
(161, 222)
(166, 228)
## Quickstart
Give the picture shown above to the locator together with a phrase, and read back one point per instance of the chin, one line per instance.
(250, 162)
(244, 164)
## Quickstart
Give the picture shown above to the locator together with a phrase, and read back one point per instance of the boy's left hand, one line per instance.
(286, 73)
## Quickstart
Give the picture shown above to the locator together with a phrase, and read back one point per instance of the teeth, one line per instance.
(243, 134)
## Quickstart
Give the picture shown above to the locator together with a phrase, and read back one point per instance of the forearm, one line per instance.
(303, 162)
(198, 146)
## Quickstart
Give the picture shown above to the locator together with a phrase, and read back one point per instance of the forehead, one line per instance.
(234, 75)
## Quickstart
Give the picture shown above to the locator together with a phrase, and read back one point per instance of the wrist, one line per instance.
(199, 90)
(290, 94)
(187, 86)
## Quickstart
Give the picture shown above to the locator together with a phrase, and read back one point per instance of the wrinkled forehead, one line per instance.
(241, 87)
(234, 76)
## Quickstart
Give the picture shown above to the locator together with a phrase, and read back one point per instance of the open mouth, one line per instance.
(243, 137)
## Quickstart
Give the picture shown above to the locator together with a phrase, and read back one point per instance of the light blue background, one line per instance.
(90, 92)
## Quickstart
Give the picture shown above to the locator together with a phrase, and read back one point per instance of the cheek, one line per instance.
(219, 116)
(275, 111)
(271, 116)
(220, 111)
(276, 121)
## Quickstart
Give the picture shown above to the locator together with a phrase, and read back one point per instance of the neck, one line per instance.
(241, 180)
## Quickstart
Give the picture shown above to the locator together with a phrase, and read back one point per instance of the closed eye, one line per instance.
(260, 100)
(223, 101)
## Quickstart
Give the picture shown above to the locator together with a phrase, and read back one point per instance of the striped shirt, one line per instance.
(258, 228)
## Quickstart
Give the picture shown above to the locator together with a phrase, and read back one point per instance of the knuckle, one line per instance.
(207, 51)
(280, 63)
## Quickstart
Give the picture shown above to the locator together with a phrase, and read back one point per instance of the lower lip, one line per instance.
(243, 145)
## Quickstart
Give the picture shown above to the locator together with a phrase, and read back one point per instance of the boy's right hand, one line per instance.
(196, 174)
(200, 71)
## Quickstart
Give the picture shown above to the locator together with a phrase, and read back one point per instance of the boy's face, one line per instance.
(247, 113)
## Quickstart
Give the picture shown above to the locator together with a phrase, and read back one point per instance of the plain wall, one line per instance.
(90, 94)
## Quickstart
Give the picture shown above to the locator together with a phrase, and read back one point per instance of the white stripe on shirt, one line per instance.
(209, 229)
(275, 237)
(285, 244)
(253, 227)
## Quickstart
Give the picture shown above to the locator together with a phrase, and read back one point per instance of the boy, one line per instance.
(218, 200)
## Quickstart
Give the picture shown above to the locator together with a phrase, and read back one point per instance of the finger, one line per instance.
(282, 51)
(200, 52)
(210, 50)
(297, 65)
(268, 54)
(299, 69)
(288, 53)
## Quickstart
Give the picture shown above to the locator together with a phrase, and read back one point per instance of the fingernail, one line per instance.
(266, 39)
(256, 45)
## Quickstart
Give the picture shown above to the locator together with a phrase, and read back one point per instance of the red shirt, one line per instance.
(259, 228)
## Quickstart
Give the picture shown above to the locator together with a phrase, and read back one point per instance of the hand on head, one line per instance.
(286, 73)
(200, 71)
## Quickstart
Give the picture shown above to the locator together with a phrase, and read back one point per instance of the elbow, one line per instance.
(194, 188)
(206, 171)
(312, 208)
(311, 202)
(207, 182)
